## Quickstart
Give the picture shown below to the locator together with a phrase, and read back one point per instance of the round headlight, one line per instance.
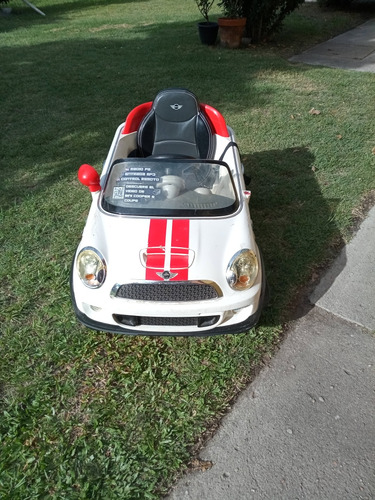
(242, 270)
(91, 267)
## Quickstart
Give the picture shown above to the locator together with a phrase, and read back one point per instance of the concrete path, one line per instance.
(305, 428)
(348, 288)
(353, 50)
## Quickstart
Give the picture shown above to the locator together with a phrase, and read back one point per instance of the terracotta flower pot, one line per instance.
(231, 31)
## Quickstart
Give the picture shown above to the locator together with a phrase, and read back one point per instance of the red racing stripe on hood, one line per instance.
(156, 248)
(180, 249)
(168, 249)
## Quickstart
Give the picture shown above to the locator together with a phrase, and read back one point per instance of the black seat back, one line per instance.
(175, 125)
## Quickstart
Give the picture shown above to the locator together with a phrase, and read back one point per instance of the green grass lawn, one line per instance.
(90, 415)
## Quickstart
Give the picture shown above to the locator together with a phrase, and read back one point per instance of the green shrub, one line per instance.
(232, 8)
(265, 17)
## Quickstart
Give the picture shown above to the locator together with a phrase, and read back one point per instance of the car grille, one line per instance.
(168, 291)
(139, 321)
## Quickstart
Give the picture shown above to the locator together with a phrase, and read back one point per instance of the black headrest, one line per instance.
(175, 125)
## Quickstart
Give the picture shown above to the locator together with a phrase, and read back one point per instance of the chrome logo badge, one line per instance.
(176, 107)
(166, 275)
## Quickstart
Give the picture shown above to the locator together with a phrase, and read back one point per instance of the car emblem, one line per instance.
(166, 275)
(176, 107)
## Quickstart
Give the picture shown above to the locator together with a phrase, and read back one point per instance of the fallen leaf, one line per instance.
(198, 464)
(373, 151)
(339, 136)
(314, 111)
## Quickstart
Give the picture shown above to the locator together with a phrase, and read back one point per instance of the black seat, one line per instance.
(175, 125)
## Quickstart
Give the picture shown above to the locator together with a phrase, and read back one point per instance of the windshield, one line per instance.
(169, 187)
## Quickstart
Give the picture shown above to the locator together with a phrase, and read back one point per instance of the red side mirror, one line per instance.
(89, 177)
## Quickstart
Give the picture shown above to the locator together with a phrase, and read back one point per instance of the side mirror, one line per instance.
(89, 177)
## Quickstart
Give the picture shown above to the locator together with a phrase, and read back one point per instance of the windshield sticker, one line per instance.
(137, 184)
(118, 192)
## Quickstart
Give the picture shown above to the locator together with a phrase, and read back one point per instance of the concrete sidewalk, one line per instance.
(305, 428)
(353, 50)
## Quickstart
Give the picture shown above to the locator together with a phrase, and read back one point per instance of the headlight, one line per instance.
(242, 270)
(91, 267)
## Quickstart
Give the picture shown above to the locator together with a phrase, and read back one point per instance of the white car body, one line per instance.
(168, 274)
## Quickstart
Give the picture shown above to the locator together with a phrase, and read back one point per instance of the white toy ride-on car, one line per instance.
(168, 247)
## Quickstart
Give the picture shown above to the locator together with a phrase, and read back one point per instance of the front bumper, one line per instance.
(228, 322)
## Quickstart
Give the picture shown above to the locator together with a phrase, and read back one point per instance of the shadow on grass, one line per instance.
(293, 223)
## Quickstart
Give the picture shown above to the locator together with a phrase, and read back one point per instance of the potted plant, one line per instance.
(232, 24)
(5, 11)
(207, 29)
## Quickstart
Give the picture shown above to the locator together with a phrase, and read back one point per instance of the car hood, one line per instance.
(137, 249)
